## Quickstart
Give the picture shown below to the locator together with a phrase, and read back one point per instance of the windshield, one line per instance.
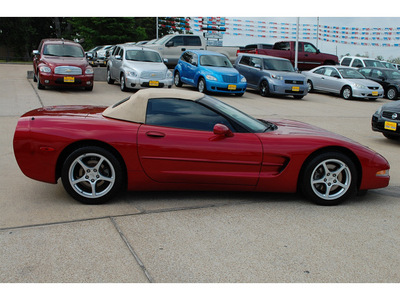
(143, 55)
(350, 73)
(215, 61)
(248, 122)
(63, 50)
(392, 74)
(373, 63)
(278, 65)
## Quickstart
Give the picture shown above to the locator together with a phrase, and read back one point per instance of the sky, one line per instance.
(343, 13)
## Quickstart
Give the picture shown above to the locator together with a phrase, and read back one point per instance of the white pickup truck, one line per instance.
(172, 46)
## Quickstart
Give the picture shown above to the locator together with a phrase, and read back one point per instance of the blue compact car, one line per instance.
(210, 72)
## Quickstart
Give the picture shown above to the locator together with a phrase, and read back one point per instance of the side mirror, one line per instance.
(257, 66)
(118, 57)
(35, 52)
(222, 130)
(318, 52)
(165, 60)
(169, 44)
(89, 55)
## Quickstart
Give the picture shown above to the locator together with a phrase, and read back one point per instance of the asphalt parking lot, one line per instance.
(165, 237)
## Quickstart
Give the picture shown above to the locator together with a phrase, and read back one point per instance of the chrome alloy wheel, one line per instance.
(91, 175)
(331, 179)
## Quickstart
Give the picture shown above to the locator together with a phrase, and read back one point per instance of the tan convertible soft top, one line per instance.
(134, 109)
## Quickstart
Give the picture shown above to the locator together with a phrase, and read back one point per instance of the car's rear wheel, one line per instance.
(177, 79)
(347, 93)
(329, 178)
(264, 88)
(92, 175)
(391, 94)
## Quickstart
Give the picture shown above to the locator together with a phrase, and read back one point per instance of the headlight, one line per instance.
(359, 86)
(89, 71)
(210, 77)
(243, 79)
(277, 77)
(131, 73)
(169, 74)
(45, 69)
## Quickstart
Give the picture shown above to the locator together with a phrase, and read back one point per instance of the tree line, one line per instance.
(21, 35)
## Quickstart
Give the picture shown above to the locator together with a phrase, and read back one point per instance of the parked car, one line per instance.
(360, 62)
(388, 78)
(210, 72)
(136, 67)
(345, 81)
(160, 139)
(59, 62)
(308, 55)
(101, 55)
(387, 120)
(271, 75)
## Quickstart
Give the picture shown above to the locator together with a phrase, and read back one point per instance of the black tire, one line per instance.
(89, 88)
(346, 93)
(92, 175)
(201, 86)
(34, 77)
(239, 94)
(109, 79)
(329, 179)
(310, 86)
(298, 97)
(39, 85)
(391, 93)
(264, 88)
(123, 83)
(177, 79)
(391, 136)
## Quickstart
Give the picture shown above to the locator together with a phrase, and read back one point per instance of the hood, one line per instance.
(392, 106)
(287, 74)
(365, 82)
(221, 70)
(141, 66)
(55, 61)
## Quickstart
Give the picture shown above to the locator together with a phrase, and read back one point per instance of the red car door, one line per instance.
(193, 156)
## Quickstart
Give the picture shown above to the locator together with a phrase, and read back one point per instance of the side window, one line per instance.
(255, 62)
(334, 73)
(376, 73)
(184, 114)
(194, 59)
(192, 40)
(346, 61)
(121, 52)
(320, 71)
(187, 57)
(245, 60)
(282, 46)
(357, 63)
(115, 51)
(177, 41)
(309, 48)
(365, 71)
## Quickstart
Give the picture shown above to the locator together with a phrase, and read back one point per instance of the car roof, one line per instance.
(205, 52)
(134, 108)
(134, 47)
(59, 41)
(262, 56)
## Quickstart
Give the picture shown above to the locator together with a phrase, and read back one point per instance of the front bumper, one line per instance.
(137, 82)
(227, 88)
(282, 88)
(367, 93)
(383, 125)
(47, 79)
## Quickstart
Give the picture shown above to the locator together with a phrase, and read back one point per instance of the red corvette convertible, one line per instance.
(184, 140)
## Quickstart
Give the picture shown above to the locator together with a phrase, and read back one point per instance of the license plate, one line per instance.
(153, 83)
(295, 89)
(231, 87)
(69, 79)
(390, 125)
(375, 93)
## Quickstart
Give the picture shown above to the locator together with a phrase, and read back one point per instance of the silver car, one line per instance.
(345, 81)
(136, 67)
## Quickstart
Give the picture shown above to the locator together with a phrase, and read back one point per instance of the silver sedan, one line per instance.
(345, 81)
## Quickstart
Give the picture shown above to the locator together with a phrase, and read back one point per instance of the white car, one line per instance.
(360, 62)
(137, 67)
(345, 81)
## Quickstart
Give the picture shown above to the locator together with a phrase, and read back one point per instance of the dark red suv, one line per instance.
(59, 62)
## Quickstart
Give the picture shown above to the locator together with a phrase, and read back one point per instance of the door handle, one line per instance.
(155, 134)
(183, 49)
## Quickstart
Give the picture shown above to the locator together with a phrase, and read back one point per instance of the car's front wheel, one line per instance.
(391, 94)
(201, 86)
(109, 78)
(329, 178)
(92, 175)
(310, 86)
(177, 79)
(39, 85)
(347, 93)
(123, 83)
(264, 88)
